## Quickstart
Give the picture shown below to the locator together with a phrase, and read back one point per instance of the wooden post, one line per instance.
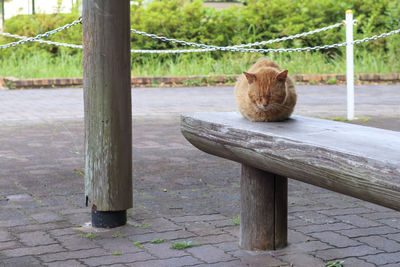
(108, 115)
(263, 217)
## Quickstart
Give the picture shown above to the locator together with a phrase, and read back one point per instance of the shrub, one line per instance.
(258, 20)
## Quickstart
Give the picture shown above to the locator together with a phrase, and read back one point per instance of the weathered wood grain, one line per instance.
(263, 215)
(107, 97)
(359, 161)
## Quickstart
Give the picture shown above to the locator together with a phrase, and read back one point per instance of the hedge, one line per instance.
(257, 21)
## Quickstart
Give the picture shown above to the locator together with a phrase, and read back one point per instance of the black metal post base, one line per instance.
(108, 219)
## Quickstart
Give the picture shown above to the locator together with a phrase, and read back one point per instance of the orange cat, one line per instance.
(265, 93)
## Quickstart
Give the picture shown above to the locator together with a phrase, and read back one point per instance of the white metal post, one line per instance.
(349, 65)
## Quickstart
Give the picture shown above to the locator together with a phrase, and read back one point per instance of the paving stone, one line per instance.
(354, 262)
(359, 232)
(75, 242)
(391, 265)
(394, 222)
(315, 228)
(36, 238)
(173, 262)
(78, 254)
(314, 217)
(115, 259)
(203, 228)
(395, 237)
(69, 263)
(210, 254)
(387, 214)
(341, 253)
(335, 239)
(5, 236)
(301, 260)
(294, 223)
(172, 235)
(351, 211)
(123, 245)
(228, 246)
(258, 258)
(234, 263)
(295, 237)
(223, 223)
(8, 245)
(61, 232)
(39, 227)
(357, 221)
(381, 243)
(212, 239)
(74, 211)
(25, 251)
(211, 217)
(163, 225)
(384, 258)
(20, 198)
(18, 222)
(234, 231)
(46, 217)
(163, 251)
(20, 262)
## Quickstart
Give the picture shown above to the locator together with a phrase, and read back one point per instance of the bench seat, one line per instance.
(358, 161)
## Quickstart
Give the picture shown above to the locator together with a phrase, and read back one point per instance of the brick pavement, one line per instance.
(43, 217)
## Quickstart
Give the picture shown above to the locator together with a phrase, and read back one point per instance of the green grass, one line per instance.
(89, 235)
(235, 219)
(138, 244)
(334, 264)
(45, 65)
(183, 245)
(158, 241)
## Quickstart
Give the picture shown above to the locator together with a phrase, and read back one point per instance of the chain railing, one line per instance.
(204, 46)
(40, 36)
(200, 47)
(40, 40)
(349, 22)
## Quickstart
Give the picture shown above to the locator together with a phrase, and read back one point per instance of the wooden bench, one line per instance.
(358, 161)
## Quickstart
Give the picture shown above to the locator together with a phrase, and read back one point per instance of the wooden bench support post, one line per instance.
(263, 217)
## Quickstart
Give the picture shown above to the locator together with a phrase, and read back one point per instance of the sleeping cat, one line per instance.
(265, 93)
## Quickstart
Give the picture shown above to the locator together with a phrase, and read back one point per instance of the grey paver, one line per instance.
(36, 238)
(335, 239)
(210, 254)
(379, 230)
(115, 259)
(69, 263)
(340, 253)
(381, 242)
(78, 254)
(24, 251)
(358, 221)
(381, 259)
(42, 136)
(21, 261)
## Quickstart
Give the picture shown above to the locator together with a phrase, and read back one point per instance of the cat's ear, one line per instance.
(250, 77)
(282, 76)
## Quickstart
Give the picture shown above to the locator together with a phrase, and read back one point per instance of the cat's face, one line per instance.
(267, 88)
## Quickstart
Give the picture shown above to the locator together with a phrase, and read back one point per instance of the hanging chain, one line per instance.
(41, 41)
(186, 43)
(366, 39)
(201, 47)
(39, 36)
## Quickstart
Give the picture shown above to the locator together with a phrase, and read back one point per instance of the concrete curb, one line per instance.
(14, 83)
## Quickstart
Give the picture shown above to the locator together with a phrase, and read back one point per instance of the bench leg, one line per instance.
(263, 216)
